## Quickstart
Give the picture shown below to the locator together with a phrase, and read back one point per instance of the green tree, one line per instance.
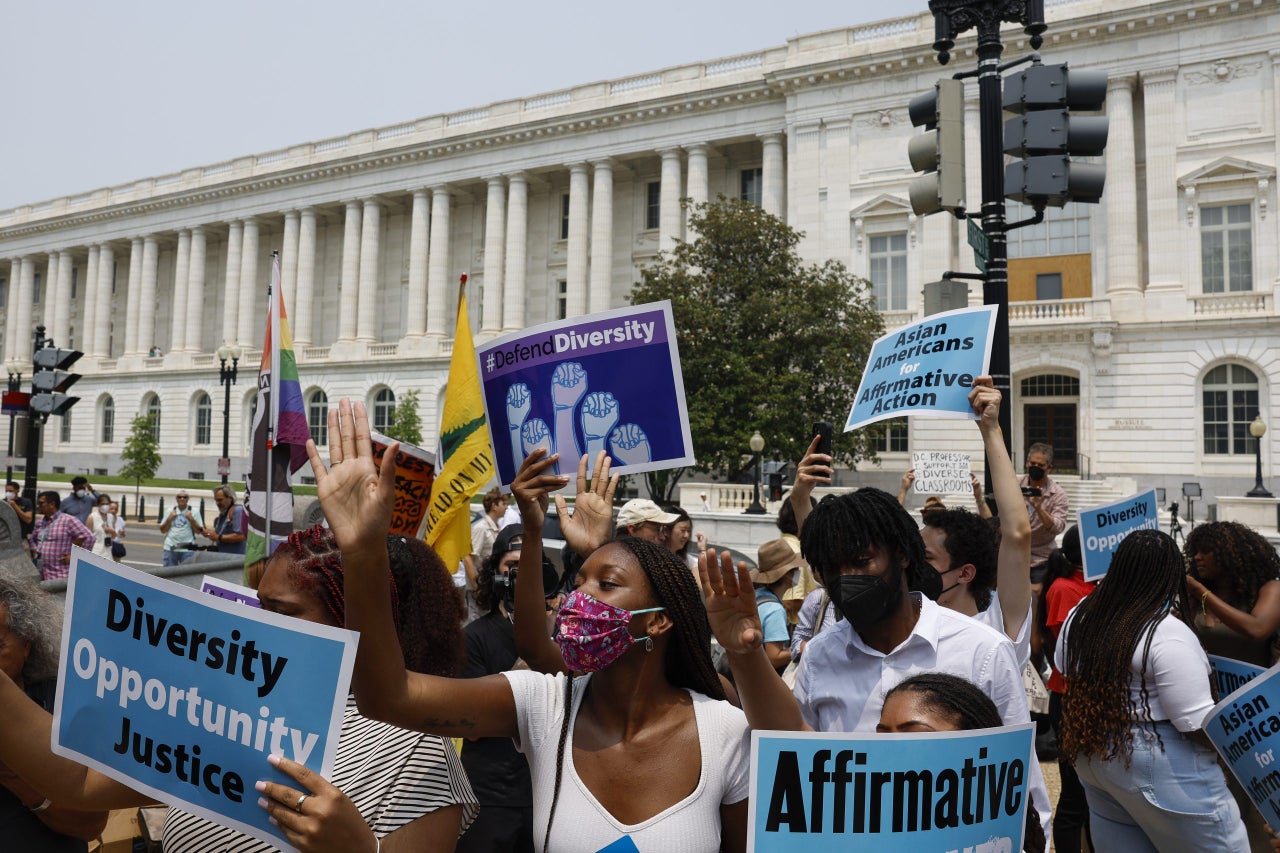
(141, 453)
(406, 423)
(767, 342)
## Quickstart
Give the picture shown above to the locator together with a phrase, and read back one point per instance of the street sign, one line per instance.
(224, 466)
(14, 402)
(981, 245)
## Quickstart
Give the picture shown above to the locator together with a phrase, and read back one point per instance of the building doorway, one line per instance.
(1050, 415)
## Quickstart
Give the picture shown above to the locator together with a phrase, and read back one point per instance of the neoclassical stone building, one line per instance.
(1145, 329)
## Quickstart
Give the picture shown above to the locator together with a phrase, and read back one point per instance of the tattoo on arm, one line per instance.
(437, 723)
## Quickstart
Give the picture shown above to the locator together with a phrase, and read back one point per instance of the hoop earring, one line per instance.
(648, 643)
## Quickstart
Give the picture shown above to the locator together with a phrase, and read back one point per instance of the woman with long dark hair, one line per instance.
(1137, 694)
(1235, 591)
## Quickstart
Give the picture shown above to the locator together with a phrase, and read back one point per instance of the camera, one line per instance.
(1031, 492)
(504, 586)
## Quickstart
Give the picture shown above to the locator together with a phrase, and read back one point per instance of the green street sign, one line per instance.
(981, 245)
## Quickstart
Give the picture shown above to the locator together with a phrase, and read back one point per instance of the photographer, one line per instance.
(1046, 507)
(179, 528)
(227, 532)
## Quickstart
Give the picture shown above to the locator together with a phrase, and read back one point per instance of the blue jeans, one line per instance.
(174, 557)
(1168, 799)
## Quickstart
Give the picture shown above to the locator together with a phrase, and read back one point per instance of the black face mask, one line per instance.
(1035, 472)
(865, 599)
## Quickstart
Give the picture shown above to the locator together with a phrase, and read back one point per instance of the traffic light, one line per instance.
(48, 381)
(1046, 135)
(939, 152)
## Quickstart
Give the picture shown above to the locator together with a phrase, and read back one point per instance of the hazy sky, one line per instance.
(103, 93)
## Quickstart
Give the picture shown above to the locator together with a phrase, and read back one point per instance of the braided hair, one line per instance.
(967, 708)
(969, 539)
(1243, 559)
(1144, 582)
(843, 527)
(688, 657)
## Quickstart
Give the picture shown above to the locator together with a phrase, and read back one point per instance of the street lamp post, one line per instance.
(227, 377)
(756, 443)
(1258, 429)
(14, 369)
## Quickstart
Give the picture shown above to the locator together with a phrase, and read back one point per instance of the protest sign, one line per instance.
(415, 471)
(182, 695)
(941, 472)
(228, 591)
(939, 791)
(1245, 729)
(925, 369)
(1103, 528)
(1230, 674)
(607, 381)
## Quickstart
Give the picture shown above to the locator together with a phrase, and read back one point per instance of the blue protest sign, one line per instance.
(608, 381)
(1103, 528)
(925, 369)
(818, 792)
(1230, 674)
(183, 695)
(1245, 729)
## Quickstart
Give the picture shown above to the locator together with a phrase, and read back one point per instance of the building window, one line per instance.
(751, 186)
(562, 299)
(888, 271)
(318, 418)
(1050, 385)
(4, 291)
(108, 433)
(153, 412)
(1048, 285)
(35, 291)
(65, 434)
(1065, 231)
(384, 409)
(1230, 402)
(1226, 248)
(204, 419)
(564, 216)
(892, 438)
(75, 282)
(652, 204)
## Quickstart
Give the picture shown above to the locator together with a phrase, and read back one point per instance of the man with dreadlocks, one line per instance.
(1137, 697)
(635, 752)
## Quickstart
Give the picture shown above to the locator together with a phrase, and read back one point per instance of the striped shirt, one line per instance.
(392, 775)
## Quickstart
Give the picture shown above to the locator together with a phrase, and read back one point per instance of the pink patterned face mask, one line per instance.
(592, 634)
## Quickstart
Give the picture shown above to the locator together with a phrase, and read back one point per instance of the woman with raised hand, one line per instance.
(1137, 695)
(407, 791)
(637, 747)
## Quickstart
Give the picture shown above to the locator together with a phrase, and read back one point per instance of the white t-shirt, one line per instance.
(1177, 675)
(993, 617)
(582, 823)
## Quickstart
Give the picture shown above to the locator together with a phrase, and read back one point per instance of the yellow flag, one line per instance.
(465, 451)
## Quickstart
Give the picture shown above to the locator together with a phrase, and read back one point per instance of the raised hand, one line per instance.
(535, 436)
(357, 497)
(591, 524)
(814, 469)
(630, 445)
(600, 412)
(327, 820)
(986, 401)
(731, 602)
(519, 403)
(533, 483)
(568, 384)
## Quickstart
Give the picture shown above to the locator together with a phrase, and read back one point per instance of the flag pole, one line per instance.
(273, 406)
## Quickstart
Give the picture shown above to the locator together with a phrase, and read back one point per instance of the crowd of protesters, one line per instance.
(612, 692)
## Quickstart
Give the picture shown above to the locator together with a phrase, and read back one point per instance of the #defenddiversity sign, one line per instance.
(183, 695)
(931, 793)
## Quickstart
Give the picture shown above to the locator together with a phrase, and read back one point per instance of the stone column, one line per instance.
(231, 284)
(601, 237)
(669, 212)
(147, 294)
(576, 263)
(194, 337)
(11, 310)
(438, 319)
(494, 222)
(513, 283)
(89, 331)
(289, 263)
(773, 177)
(1121, 197)
(370, 240)
(300, 321)
(48, 303)
(60, 328)
(419, 231)
(699, 180)
(248, 285)
(132, 310)
(102, 313)
(348, 304)
(1164, 236)
(181, 293)
(26, 294)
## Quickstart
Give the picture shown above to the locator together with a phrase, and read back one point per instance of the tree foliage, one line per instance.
(141, 453)
(406, 423)
(767, 342)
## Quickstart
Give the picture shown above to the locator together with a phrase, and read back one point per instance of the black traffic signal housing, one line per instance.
(939, 152)
(1045, 135)
(49, 382)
